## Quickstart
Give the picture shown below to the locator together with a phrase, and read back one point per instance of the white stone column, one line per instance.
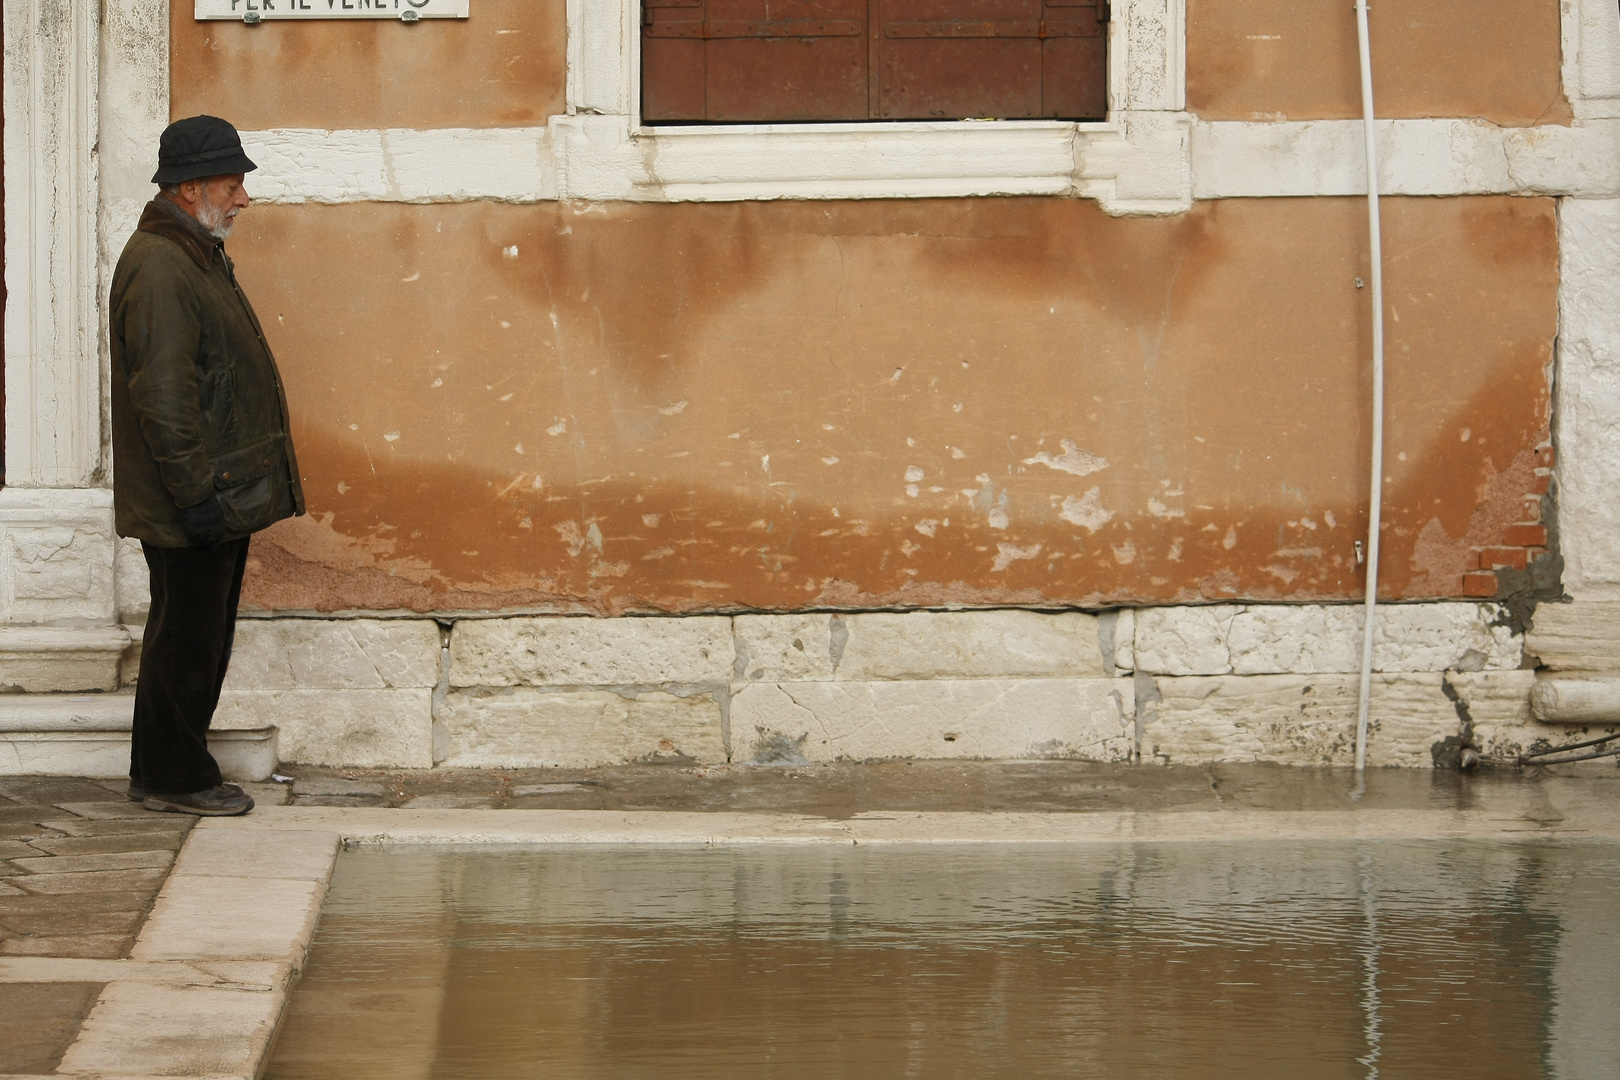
(53, 377)
(58, 627)
(1592, 57)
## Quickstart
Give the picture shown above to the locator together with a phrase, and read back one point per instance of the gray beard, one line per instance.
(215, 219)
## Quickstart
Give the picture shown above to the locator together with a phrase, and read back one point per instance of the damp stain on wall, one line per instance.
(615, 408)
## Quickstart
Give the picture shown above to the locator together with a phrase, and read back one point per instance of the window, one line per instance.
(798, 61)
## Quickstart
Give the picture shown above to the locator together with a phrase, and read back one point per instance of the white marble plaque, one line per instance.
(264, 10)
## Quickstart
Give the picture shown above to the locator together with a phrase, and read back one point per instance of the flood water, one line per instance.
(1244, 960)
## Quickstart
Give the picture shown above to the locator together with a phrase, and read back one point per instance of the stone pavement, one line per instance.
(80, 866)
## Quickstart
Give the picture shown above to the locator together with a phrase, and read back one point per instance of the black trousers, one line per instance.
(184, 654)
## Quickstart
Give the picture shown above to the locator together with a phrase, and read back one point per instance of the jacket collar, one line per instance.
(163, 218)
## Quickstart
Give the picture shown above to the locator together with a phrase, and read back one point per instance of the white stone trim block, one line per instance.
(1147, 61)
(45, 659)
(334, 654)
(367, 729)
(1588, 388)
(1576, 637)
(917, 645)
(563, 651)
(1296, 719)
(1087, 719)
(524, 727)
(599, 75)
(1416, 157)
(1587, 700)
(1139, 162)
(1591, 31)
(1499, 708)
(56, 556)
(1261, 639)
(59, 735)
(1144, 168)
(856, 161)
(396, 165)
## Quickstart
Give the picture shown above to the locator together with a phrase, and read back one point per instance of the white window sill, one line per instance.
(874, 128)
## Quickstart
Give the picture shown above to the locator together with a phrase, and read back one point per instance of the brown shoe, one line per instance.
(226, 800)
(136, 793)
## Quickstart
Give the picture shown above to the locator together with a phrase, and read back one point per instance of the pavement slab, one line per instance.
(296, 856)
(174, 1031)
(109, 844)
(91, 881)
(233, 918)
(106, 809)
(53, 789)
(176, 824)
(63, 919)
(38, 1022)
(122, 860)
(100, 946)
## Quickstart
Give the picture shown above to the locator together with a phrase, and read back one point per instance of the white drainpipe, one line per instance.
(1376, 496)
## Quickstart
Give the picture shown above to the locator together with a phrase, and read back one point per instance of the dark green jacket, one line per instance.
(197, 403)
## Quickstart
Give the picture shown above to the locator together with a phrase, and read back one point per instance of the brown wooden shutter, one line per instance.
(765, 61)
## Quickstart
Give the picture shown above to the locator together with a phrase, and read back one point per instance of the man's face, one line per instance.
(215, 202)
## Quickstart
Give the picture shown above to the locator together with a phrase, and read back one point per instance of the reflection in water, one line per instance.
(1241, 960)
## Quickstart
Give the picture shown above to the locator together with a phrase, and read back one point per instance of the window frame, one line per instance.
(886, 158)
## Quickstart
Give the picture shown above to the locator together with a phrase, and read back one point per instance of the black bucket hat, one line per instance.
(200, 146)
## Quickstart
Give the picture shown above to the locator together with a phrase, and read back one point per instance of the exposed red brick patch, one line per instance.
(1500, 558)
(1525, 536)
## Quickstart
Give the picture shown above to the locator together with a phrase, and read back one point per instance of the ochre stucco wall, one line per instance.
(504, 67)
(1286, 60)
(774, 405)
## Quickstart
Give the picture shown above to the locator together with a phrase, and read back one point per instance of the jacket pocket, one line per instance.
(249, 485)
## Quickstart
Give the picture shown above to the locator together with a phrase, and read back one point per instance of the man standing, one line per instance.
(201, 454)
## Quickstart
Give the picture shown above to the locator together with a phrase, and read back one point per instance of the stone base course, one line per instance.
(516, 727)
(88, 735)
(334, 654)
(365, 728)
(567, 651)
(1090, 719)
(918, 646)
(1587, 700)
(1306, 639)
(1295, 719)
(38, 658)
(1264, 682)
(1583, 636)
